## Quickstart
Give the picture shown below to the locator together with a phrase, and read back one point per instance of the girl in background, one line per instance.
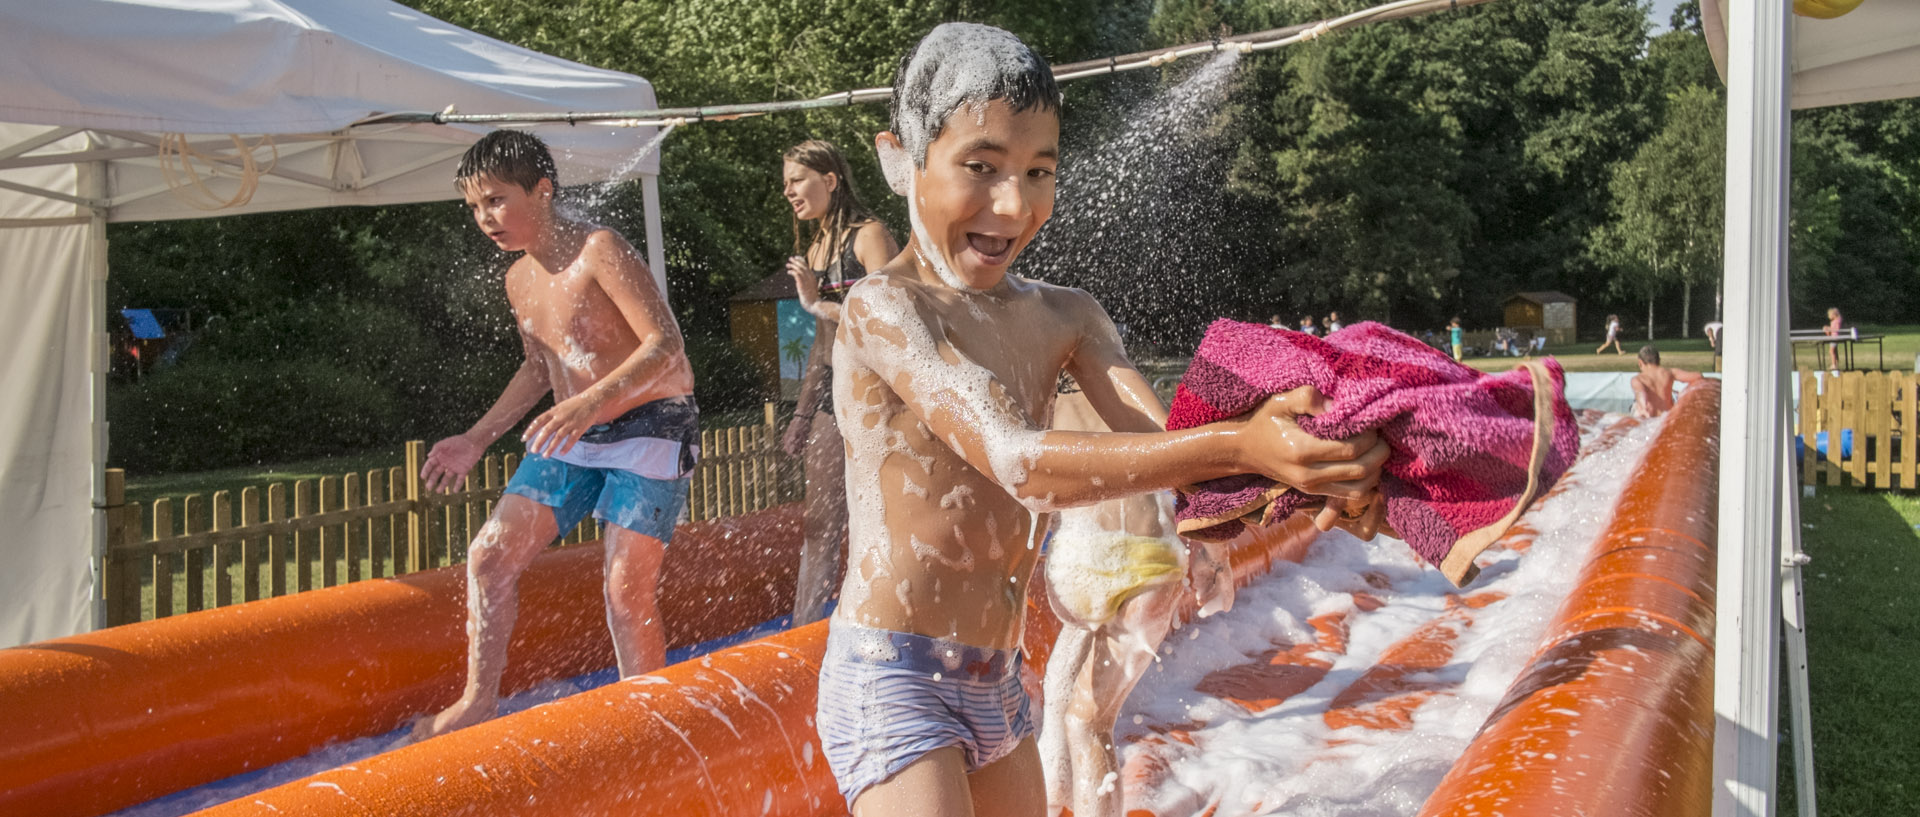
(844, 243)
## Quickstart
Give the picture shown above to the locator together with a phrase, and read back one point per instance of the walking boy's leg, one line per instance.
(518, 530)
(823, 553)
(633, 609)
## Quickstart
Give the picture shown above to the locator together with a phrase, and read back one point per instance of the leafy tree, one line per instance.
(1666, 215)
(1431, 166)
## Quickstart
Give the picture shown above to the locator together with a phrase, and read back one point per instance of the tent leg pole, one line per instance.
(656, 237)
(99, 360)
(1747, 615)
(1794, 612)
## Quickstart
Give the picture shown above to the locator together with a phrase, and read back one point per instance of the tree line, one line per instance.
(1405, 172)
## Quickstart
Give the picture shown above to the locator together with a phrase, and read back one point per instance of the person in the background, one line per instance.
(1613, 336)
(1308, 326)
(1274, 322)
(1333, 322)
(846, 242)
(1653, 386)
(1833, 330)
(1713, 329)
(1454, 333)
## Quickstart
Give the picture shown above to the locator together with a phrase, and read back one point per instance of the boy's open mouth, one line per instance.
(992, 249)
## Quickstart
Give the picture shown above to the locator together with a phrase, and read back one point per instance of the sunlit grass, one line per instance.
(1862, 593)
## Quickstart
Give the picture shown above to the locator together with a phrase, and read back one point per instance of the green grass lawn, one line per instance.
(1863, 653)
(1901, 344)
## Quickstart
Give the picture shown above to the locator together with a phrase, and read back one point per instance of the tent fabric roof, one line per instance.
(102, 98)
(111, 80)
(1868, 54)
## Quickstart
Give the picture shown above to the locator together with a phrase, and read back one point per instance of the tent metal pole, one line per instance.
(1747, 619)
(1793, 562)
(94, 182)
(656, 237)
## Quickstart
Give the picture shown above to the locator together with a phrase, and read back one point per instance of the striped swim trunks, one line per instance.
(887, 699)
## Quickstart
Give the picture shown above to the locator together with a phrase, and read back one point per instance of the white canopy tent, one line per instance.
(1773, 61)
(101, 100)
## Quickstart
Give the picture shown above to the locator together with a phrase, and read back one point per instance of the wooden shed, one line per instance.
(1550, 313)
(767, 324)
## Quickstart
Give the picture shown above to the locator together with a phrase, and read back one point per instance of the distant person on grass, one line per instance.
(1833, 331)
(1613, 336)
(620, 440)
(1653, 386)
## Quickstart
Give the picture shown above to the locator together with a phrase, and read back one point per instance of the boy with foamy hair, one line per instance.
(944, 377)
(620, 440)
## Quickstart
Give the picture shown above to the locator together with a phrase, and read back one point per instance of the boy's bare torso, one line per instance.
(572, 328)
(937, 547)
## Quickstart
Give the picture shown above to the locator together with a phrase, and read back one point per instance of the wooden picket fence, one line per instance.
(1876, 410)
(202, 552)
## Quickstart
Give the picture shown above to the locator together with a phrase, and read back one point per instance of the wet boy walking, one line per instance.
(620, 440)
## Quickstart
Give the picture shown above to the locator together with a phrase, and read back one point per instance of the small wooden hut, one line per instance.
(766, 322)
(1548, 313)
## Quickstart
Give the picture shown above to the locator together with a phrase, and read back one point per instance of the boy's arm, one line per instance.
(628, 283)
(963, 403)
(1122, 397)
(1116, 390)
(452, 458)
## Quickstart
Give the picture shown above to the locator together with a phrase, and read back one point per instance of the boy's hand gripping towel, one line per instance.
(1470, 450)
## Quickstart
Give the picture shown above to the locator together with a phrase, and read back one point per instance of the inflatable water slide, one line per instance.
(1603, 704)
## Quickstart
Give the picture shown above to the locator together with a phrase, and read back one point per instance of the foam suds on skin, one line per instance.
(576, 357)
(913, 357)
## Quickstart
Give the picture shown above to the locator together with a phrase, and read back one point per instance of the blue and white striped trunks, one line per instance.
(887, 699)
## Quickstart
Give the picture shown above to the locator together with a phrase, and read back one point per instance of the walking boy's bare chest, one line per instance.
(563, 311)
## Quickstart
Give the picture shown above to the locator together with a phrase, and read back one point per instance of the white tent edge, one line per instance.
(57, 196)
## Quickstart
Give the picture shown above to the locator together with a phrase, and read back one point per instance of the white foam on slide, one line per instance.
(1287, 760)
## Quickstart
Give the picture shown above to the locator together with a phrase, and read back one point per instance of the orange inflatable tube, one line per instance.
(108, 719)
(727, 734)
(1614, 715)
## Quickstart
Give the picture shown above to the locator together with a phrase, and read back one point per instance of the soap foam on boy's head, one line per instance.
(964, 64)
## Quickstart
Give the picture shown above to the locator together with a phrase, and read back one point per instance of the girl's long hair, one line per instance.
(844, 210)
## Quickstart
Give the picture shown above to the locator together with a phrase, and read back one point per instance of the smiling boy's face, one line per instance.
(987, 187)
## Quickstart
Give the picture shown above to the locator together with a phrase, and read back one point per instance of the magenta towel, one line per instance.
(1470, 450)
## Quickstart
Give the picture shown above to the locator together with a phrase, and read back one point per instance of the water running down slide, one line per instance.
(731, 733)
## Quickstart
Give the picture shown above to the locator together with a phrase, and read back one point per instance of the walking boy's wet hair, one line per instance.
(964, 64)
(510, 156)
(1649, 355)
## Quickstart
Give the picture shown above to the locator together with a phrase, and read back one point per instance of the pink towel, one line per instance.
(1470, 451)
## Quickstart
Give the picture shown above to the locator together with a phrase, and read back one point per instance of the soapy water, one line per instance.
(1315, 753)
